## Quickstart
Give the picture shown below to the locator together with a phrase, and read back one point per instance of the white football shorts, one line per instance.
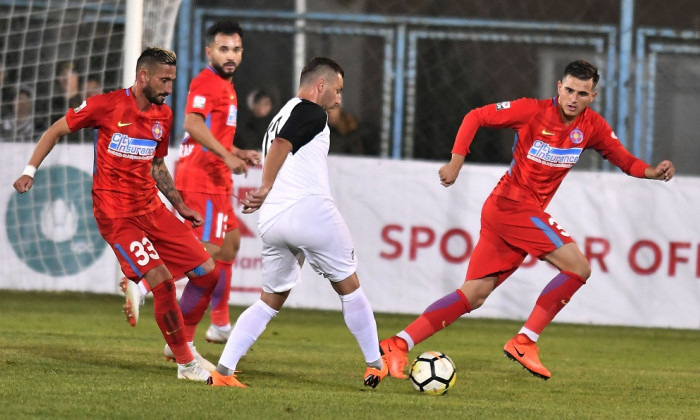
(311, 229)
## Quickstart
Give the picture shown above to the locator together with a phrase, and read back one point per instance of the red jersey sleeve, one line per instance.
(608, 145)
(88, 114)
(513, 114)
(201, 99)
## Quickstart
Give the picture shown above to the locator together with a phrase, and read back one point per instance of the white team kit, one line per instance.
(299, 219)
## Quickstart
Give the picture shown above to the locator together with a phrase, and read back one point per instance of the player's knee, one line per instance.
(477, 290)
(204, 268)
(583, 269)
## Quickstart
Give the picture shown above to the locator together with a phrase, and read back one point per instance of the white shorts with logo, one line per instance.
(311, 229)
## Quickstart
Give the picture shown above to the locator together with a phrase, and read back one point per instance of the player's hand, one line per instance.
(193, 216)
(23, 184)
(448, 174)
(450, 171)
(254, 199)
(235, 164)
(251, 157)
(664, 171)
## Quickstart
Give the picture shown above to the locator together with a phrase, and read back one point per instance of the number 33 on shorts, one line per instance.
(143, 251)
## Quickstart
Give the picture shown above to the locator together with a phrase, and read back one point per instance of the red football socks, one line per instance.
(439, 315)
(219, 300)
(170, 321)
(552, 299)
(195, 300)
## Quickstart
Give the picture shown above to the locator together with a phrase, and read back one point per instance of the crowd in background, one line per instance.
(23, 116)
(21, 121)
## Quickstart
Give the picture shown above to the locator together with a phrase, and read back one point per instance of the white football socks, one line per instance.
(250, 324)
(360, 321)
(531, 334)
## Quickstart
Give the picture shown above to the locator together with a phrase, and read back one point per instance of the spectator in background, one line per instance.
(251, 132)
(345, 137)
(5, 94)
(21, 125)
(67, 90)
(92, 86)
(67, 95)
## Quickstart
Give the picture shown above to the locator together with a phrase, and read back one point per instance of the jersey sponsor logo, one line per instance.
(545, 154)
(121, 124)
(80, 107)
(576, 136)
(186, 147)
(157, 130)
(547, 133)
(502, 105)
(124, 146)
(232, 115)
(199, 102)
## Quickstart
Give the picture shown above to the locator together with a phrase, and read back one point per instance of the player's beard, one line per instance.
(222, 72)
(152, 96)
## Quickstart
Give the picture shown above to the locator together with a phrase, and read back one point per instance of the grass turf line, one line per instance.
(72, 355)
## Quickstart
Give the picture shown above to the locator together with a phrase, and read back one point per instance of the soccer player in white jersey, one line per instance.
(299, 221)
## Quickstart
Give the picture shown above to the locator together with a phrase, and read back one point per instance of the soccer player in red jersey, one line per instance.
(207, 158)
(550, 136)
(149, 241)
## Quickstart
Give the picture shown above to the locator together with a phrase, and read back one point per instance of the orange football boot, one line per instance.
(217, 379)
(373, 375)
(524, 351)
(394, 357)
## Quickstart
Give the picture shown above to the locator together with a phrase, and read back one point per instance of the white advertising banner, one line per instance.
(413, 239)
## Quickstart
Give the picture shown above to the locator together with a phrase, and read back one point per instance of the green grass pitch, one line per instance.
(71, 355)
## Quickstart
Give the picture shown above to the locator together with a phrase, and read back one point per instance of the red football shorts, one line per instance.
(147, 241)
(509, 232)
(217, 212)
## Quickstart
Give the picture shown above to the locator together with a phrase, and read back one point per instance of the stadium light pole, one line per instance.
(133, 31)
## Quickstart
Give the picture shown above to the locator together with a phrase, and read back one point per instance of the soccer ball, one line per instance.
(433, 373)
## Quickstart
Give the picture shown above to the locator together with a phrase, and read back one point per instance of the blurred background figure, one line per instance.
(67, 90)
(20, 125)
(92, 86)
(251, 132)
(345, 136)
(5, 94)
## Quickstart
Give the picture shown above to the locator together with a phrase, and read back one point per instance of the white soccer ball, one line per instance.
(433, 373)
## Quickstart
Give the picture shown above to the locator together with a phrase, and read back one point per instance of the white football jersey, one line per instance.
(305, 171)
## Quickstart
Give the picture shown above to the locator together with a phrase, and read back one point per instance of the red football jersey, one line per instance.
(127, 142)
(545, 149)
(198, 169)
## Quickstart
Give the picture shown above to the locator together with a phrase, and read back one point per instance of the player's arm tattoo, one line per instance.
(164, 181)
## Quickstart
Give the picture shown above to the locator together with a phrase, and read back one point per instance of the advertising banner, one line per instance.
(413, 239)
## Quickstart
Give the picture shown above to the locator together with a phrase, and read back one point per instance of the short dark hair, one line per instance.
(582, 70)
(260, 94)
(226, 27)
(152, 56)
(318, 64)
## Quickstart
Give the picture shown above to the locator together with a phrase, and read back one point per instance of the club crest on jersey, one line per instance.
(157, 130)
(502, 105)
(553, 156)
(576, 136)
